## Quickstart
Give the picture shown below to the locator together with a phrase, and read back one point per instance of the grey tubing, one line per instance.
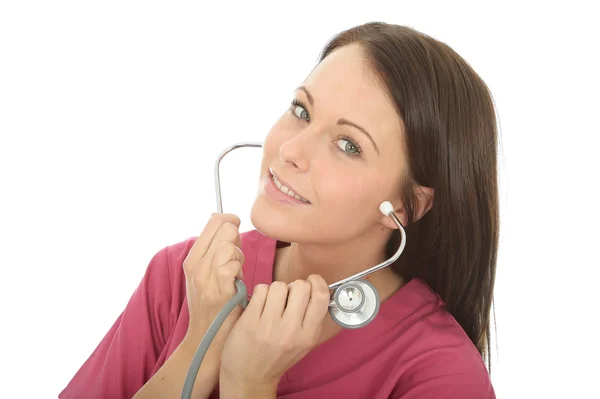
(239, 298)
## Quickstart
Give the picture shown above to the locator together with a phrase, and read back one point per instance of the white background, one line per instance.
(112, 114)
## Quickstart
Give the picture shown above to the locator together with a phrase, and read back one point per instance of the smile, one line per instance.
(284, 189)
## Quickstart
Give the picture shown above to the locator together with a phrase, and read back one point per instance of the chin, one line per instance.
(279, 223)
(269, 222)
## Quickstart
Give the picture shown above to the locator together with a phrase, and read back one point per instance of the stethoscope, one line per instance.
(354, 303)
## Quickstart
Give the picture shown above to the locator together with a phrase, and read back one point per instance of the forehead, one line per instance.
(344, 86)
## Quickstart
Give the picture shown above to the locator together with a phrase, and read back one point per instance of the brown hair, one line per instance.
(450, 132)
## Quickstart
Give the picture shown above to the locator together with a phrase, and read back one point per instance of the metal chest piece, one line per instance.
(355, 304)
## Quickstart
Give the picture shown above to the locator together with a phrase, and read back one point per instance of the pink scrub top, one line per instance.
(412, 349)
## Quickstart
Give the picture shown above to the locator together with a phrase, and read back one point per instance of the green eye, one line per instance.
(348, 146)
(299, 106)
(303, 114)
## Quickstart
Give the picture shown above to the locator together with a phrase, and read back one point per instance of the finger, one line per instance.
(276, 301)
(298, 299)
(226, 252)
(227, 232)
(318, 304)
(256, 304)
(205, 238)
(226, 276)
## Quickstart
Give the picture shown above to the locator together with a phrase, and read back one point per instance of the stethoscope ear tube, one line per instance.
(218, 163)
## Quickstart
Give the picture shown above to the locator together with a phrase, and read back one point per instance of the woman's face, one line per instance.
(339, 147)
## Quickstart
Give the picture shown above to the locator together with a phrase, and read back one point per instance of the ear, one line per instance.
(424, 201)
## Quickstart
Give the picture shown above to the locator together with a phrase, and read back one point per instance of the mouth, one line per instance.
(286, 189)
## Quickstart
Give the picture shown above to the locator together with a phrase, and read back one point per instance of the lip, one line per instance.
(283, 182)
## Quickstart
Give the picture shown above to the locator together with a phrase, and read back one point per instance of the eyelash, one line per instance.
(298, 103)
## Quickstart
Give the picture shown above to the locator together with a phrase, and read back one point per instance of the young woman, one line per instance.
(387, 114)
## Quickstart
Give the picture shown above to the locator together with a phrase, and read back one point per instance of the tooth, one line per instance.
(286, 190)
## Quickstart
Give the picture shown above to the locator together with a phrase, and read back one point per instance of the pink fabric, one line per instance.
(412, 349)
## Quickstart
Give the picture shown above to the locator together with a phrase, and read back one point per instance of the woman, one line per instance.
(387, 114)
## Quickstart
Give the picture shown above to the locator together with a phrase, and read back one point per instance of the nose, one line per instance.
(292, 153)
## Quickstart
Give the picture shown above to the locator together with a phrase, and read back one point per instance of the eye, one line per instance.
(348, 146)
(299, 110)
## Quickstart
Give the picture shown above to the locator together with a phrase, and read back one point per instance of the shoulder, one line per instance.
(442, 361)
(448, 373)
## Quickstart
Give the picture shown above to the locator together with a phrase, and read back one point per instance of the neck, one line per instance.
(336, 261)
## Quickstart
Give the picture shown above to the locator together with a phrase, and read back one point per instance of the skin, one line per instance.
(345, 177)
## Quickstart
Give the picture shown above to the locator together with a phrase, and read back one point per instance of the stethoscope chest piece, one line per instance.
(355, 304)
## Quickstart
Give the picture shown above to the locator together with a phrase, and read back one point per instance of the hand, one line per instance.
(272, 335)
(212, 265)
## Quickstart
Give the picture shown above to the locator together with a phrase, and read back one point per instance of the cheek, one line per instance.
(352, 194)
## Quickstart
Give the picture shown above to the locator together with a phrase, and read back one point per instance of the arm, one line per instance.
(231, 389)
(127, 356)
(168, 381)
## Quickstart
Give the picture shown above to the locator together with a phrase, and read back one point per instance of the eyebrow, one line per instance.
(340, 121)
(343, 121)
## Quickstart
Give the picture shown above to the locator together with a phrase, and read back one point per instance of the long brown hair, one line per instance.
(450, 132)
